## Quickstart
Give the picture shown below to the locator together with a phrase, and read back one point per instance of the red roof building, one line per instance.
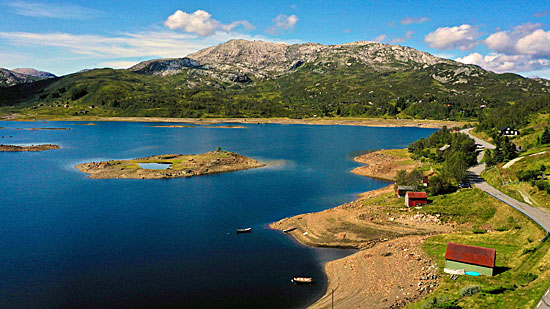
(468, 257)
(413, 199)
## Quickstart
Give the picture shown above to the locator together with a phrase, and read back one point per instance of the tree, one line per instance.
(456, 167)
(545, 137)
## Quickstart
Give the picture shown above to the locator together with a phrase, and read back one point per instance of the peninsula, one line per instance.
(178, 165)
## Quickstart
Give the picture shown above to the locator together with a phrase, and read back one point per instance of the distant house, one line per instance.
(426, 178)
(470, 258)
(402, 190)
(443, 148)
(507, 131)
(413, 199)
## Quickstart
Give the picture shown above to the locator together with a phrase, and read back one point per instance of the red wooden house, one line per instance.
(413, 199)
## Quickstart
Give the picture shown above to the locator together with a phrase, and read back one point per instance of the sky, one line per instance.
(63, 37)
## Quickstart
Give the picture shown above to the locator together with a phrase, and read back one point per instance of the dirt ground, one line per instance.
(371, 122)
(390, 269)
(388, 275)
(383, 165)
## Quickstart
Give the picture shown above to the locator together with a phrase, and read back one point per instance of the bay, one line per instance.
(70, 241)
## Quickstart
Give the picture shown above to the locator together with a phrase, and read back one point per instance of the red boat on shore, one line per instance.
(302, 280)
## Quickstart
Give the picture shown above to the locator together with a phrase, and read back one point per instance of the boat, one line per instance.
(247, 230)
(301, 280)
(290, 229)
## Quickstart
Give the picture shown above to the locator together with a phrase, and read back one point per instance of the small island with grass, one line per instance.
(16, 148)
(177, 165)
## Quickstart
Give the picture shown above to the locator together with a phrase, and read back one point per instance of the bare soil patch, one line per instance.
(384, 164)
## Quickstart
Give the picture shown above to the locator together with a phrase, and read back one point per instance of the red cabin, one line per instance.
(413, 199)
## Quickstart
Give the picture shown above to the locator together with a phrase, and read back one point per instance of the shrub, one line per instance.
(529, 250)
(469, 290)
(479, 231)
(78, 93)
(500, 289)
(441, 302)
(526, 278)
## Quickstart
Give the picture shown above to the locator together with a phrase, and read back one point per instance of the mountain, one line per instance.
(264, 59)
(33, 72)
(242, 78)
(20, 76)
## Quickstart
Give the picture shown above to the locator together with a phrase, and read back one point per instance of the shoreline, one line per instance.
(392, 242)
(367, 122)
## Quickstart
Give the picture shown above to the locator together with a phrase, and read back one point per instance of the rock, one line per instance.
(241, 78)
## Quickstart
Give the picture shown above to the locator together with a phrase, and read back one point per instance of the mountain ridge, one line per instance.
(242, 78)
(21, 76)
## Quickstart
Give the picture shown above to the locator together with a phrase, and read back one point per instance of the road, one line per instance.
(540, 216)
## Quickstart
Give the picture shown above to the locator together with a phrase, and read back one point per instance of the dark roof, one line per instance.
(417, 195)
(471, 254)
(405, 188)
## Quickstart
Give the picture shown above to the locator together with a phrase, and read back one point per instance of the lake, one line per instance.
(70, 241)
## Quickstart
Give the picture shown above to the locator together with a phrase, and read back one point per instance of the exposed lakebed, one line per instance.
(68, 240)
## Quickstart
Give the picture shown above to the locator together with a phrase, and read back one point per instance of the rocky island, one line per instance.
(178, 165)
(15, 148)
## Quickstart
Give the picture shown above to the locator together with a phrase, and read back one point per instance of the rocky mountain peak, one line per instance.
(266, 59)
(34, 72)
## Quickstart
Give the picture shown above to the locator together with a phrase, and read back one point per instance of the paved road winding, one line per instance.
(539, 215)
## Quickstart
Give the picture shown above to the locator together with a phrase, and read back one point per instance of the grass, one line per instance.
(506, 180)
(523, 262)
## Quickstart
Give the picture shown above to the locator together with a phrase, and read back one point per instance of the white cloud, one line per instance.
(244, 23)
(165, 44)
(414, 20)
(404, 38)
(283, 22)
(52, 10)
(380, 38)
(535, 44)
(501, 63)
(120, 64)
(463, 37)
(201, 22)
(523, 39)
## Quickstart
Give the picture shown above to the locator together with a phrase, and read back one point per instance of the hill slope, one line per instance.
(258, 79)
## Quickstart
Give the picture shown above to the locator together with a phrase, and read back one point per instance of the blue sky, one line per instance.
(66, 36)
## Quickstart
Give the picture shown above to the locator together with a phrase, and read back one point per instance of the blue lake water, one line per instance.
(70, 241)
(154, 166)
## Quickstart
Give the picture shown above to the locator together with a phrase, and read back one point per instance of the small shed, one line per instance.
(470, 258)
(507, 131)
(445, 147)
(413, 199)
(402, 190)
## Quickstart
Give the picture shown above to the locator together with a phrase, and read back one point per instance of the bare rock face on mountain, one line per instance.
(264, 59)
(33, 72)
(164, 67)
(20, 76)
(10, 78)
